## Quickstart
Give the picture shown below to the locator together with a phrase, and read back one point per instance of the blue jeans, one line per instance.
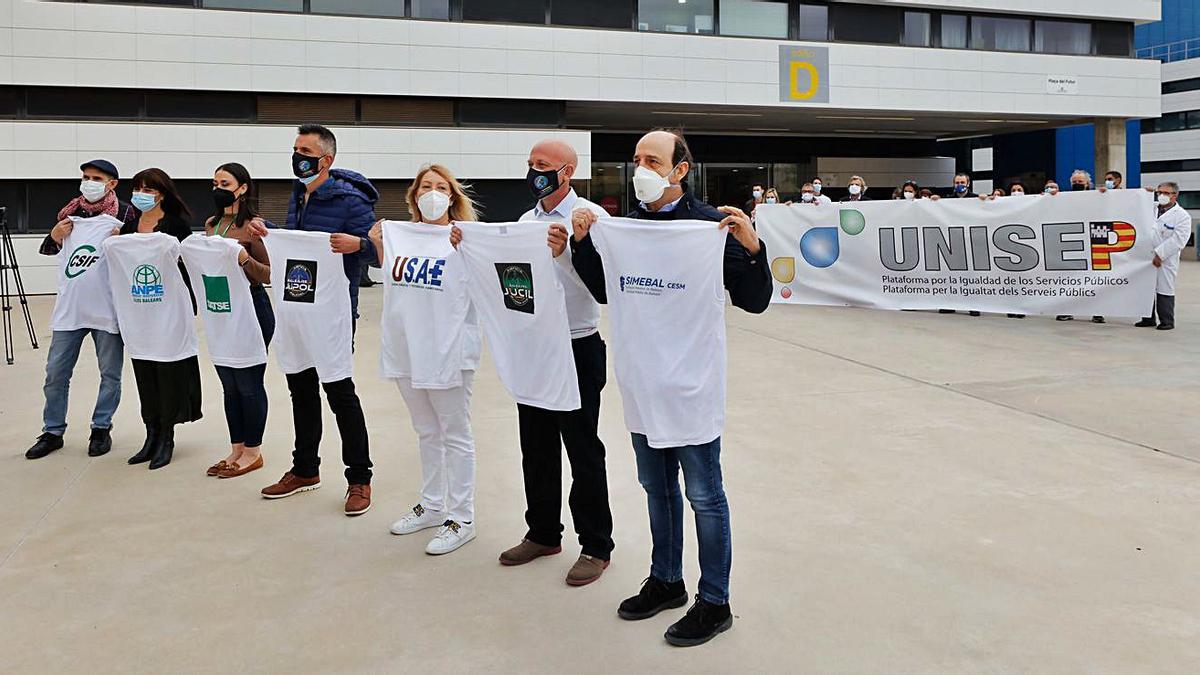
(658, 472)
(60, 364)
(245, 403)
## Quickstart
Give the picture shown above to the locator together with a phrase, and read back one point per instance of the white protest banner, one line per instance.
(1085, 253)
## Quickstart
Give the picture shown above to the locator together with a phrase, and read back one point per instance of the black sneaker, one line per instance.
(973, 313)
(1064, 317)
(1146, 323)
(703, 622)
(100, 442)
(1166, 326)
(1098, 319)
(46, 444)
(654, 597)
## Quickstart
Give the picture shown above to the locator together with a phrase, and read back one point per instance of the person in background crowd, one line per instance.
(1174, 227)
(1080, 180)
(1051, 188)
(756, 198)
(896, 194)
(169, 392)
(97, 197)
(341, 202)
(857, 190)
(1016, 190)
(543, 433)
(441, 418)
(808, 194)
(909, 190)
(1113, 180)
(772, 196)
(235, 204)
(663, 160)
(926, 193)
(817, 185)
(998, 192)
(962, 186)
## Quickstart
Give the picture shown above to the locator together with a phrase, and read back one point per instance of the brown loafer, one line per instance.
(216, 469)
(234, 470)
(289, 485)
(586, 570)
(525, 552)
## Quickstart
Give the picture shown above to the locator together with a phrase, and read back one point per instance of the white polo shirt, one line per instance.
(583, 312)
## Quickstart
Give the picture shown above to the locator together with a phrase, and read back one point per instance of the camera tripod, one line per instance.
(8, 263)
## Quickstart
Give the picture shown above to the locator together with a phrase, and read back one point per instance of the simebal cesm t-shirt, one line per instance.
(666, 303)
(311, 296)
(520, 297)
(154, 307)
(84, 298)
(223, 299)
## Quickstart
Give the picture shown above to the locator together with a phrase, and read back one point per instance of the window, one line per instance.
(1062, 37)
(1189, 200)
(814, 22)
(525, 113)
(1114, 39)
(185, 105)
(865, 23)
(1190, 84)
(755, 18)
(361, 7)
(10, 101)
(954, 31)
(430, 9)
(269, 5)
(672, 16)
(1193, 119)
(507, 11)
(592, 13)
(92, 103)
(1005, 35)
(1171, 166)
(1172, 122)
(918, 29)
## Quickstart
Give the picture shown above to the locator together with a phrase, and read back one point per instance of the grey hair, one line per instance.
(1171, 184)
(1085, 174)
(325, 137)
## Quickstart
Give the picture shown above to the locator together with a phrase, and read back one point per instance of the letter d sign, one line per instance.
(803, 74)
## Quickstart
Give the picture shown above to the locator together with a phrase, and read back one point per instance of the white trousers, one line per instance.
(442, 420)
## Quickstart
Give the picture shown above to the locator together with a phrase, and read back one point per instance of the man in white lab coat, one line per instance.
(1174, 227)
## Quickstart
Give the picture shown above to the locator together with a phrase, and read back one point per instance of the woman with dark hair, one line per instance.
(169, 391)
(236, 208)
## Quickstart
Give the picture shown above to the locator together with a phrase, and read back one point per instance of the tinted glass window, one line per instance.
(917, 29)
(1177, 86)
(98, 103)
(1006, 35)
(814, 22)
(954, 31)
(754, 18)
(487, 111)
(362, 7)
(1114, 39)
(1062, 37)
(269, 5)
(672, 16)
(207, 105)
(594, 13)
(10, 101)
(430, 9)
(510, 11)
(864, 23)
(1171, 122)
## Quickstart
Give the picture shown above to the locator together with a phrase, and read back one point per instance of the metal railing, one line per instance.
(1171, 51)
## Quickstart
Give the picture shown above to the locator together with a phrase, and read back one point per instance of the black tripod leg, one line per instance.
(23, 298)
(5, 299)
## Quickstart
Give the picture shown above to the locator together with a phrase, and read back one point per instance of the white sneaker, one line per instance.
(450, 537)
(418, 519)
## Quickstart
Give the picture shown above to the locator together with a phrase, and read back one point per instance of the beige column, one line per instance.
(1110, 146)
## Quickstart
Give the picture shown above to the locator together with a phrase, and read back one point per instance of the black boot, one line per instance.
(703, 622)
(100, 442)
(46, 444)
(655, 596)
(147, 450)
(164, 448)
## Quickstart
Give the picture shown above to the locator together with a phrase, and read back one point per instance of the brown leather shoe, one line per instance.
(216, 469)
(586, 570)
(289, 485)
(234, 470)
(526, 551)
(358, 500)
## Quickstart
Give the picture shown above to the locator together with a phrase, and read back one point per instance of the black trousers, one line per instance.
(1164, 309)
(305, 388)
(543, 433)
(169, 392)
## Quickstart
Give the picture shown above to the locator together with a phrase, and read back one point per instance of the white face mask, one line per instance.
(648, 186)
(806, 197)
(433, 205)
(1163, 200)
(855, 188)
(1018, 192)
(817, 188)
(910, 195)
(757, 194)
(93, 190)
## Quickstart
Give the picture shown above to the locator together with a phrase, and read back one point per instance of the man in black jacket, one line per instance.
(663, 160)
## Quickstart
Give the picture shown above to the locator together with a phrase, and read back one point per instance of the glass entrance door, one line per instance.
(730, 184)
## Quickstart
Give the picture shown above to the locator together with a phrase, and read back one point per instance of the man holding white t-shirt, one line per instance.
(663, 161)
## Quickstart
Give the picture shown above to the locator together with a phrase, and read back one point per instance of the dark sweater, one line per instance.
(747, 277)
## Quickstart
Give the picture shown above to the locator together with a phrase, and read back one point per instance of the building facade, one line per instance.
(769, 91)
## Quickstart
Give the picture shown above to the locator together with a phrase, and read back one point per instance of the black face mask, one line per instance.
(1076, 187)
(223, 198)
(542, 183)
(304, 166)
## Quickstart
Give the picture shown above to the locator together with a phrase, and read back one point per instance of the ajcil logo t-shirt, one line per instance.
(516, 283)
(300, 282)
(147, 284)
(216, 293)
(82, 259)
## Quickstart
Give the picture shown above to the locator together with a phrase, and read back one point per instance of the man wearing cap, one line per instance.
(97, 197)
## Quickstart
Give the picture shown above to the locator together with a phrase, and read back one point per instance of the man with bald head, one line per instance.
(552, 163)
(659, 182)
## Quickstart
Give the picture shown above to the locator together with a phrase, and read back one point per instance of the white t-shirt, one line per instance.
(311, 295)
(429, 330)
(516, 287)
(583, 312)
(154, 307)
(223, 299)
(84, 297)
(666, 303)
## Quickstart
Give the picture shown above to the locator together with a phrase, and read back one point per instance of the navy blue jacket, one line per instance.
(746, 277)
(343, 203)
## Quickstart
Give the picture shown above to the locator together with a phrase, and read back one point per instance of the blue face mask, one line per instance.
(960, 189)
(1108, 184)
(143, 202)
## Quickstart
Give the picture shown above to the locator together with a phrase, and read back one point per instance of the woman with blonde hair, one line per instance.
(430, 347)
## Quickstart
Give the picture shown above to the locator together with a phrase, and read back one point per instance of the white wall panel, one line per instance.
(1188, 180)
(33, 150)
(1171, 145)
